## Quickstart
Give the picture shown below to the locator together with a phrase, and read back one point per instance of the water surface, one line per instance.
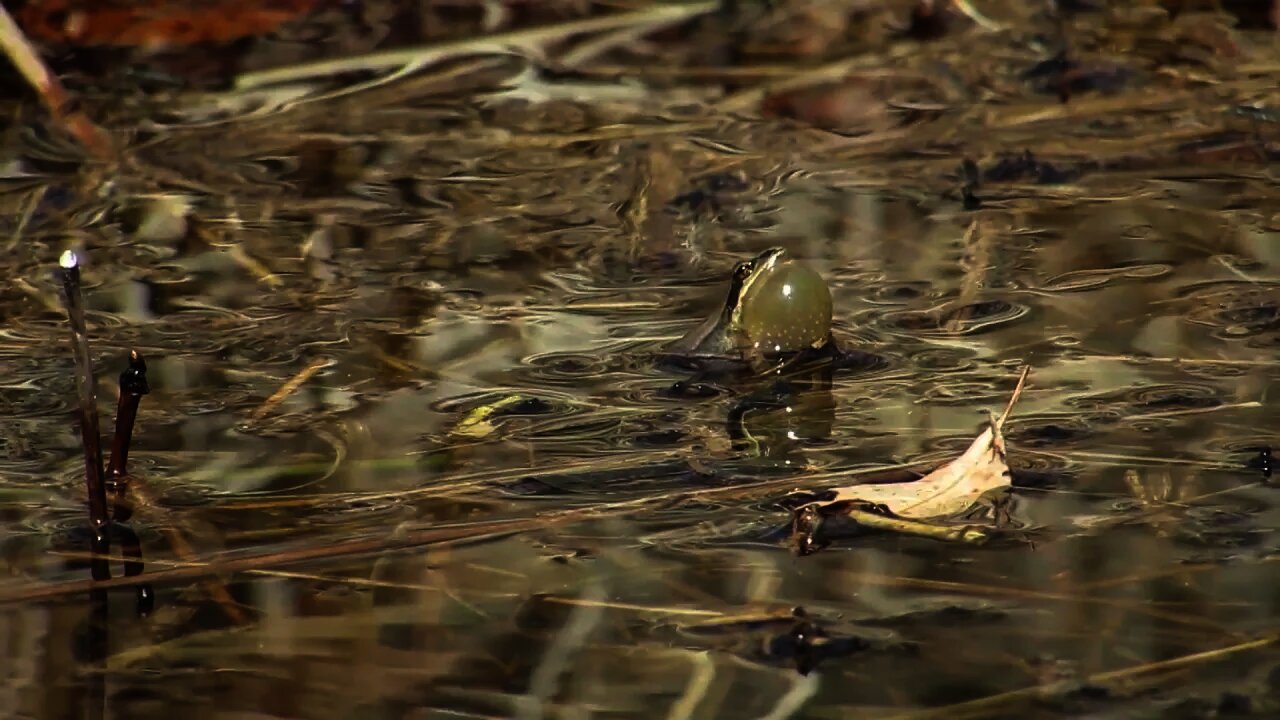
(609, 547)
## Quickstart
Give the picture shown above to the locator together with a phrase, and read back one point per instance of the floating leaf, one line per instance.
(478, 424)
(946, 491)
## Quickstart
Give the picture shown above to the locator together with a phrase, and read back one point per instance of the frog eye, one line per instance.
(742, 270)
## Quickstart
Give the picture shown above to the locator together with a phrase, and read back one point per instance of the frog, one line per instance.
(769, 346)
(775, 307)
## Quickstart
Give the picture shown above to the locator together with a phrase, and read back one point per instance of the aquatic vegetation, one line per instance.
(403, 274)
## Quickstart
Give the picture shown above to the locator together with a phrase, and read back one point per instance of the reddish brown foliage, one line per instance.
(845, 105)
(154, 23)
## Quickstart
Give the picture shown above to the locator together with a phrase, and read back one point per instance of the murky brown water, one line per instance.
(425, 254)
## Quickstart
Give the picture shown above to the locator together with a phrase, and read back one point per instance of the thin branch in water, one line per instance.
(652, 17)
(425, 537)
(428, 536)
(133, 385)
(1134, 579)
(28, 211)
(744, 99)
(972, 13)
(982, 707)
(986, 589)
(656, 609)
(1195, 362)
(289, 387)
(976, 263)
(1112, 458)
(131, 549)
(69, 276)
(52, 94)
(1197, 411)
(213, 586)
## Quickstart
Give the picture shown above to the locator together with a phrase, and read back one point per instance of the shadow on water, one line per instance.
(409, 451)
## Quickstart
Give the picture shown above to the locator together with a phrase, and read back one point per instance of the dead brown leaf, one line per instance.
(848, 106)
(953, 487)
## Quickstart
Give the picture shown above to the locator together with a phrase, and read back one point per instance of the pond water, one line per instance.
(607, 544)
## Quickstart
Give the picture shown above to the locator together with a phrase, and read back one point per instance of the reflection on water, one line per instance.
(444, 272)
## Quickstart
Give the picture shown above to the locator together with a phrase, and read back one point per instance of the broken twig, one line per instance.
(69, 275)
(46, 84)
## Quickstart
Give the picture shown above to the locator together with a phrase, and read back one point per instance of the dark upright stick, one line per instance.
(69, 274)
(97, 646)
(133, 385)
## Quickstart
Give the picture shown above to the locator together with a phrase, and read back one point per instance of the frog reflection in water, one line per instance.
(775, 306)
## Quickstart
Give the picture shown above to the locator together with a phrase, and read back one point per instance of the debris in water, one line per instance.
(946, 492)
